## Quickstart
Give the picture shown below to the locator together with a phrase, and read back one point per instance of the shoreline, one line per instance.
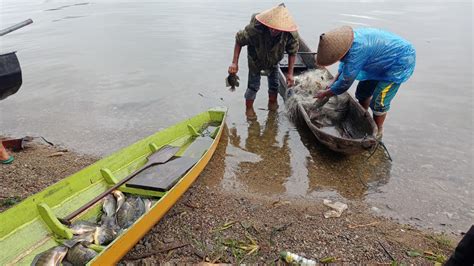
(232, 227)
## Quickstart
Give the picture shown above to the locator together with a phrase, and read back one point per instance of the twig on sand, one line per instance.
(386, 251)
(154, 252)
(362, 225)
(187, 204)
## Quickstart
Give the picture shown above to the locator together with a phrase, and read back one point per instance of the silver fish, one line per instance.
(104, 235)
(80, 254)
(148, 204)
(110, 205)
(120, 198)
(86, 237)
(52, 256)
(108, 221)
(130, 211)
(82, 227)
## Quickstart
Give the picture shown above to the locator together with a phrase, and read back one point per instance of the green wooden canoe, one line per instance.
(31, 227)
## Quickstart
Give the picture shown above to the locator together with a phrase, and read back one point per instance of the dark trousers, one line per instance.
(254, 83)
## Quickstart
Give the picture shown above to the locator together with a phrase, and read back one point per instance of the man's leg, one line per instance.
(273, 86)
(253, 86)
(364, 92)
(380, 103)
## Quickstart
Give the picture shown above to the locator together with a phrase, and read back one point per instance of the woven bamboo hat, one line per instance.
(278, 18)
(333, 45)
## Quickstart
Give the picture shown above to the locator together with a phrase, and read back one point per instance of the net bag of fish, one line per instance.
(322, 114)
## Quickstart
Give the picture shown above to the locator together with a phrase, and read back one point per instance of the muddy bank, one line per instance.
(35, 168)
(240, 227)
(208, 224)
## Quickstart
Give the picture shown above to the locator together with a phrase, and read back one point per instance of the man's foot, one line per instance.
(272, 101)
(7, 161)
(379, 134)
(250, 113)
(3, 153)
(272, 106)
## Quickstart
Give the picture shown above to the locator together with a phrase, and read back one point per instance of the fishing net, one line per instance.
(321, 114)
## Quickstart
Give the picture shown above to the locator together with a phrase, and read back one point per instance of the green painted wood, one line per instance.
(52, 221)
(142, 192)
(23, 234)
(214, 134)
(193, 131)
(108, 176)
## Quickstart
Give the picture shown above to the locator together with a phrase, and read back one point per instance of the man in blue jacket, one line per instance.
(380, 60)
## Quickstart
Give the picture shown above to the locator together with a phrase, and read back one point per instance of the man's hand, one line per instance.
(290, 80)
(233, 68)
(323, 93)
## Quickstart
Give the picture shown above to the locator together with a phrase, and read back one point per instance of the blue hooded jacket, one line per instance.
(375, 55)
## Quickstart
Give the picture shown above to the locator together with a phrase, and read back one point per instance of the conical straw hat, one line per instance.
(277, 18)
(333, 45)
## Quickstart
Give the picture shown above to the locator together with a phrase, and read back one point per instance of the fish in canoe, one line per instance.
(42, 229)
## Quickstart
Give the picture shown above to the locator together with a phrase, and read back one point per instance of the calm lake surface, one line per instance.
(99, 75)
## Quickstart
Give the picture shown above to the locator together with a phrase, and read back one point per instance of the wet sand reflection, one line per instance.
(270, 161)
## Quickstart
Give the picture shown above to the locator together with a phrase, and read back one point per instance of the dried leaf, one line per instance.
(412, 253)
(328, 260)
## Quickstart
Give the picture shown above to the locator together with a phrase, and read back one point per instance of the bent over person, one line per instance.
(380, 60)
(269, 35)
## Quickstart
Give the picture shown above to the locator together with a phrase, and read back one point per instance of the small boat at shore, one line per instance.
(36, 230)
(354, 132)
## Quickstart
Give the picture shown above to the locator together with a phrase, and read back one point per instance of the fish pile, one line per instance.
(323, 113)
(118, 213)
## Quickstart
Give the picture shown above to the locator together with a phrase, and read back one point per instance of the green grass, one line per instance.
(443, 241)
(7, 202)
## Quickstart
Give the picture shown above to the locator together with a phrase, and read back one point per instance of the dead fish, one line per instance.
(82, 227)
(80, 254)
(52, 256)
(108, 221)
(86, 237)
(130, 211)
(148, 204)
(110, 205)
(232, 81)
(120, 198)
(104, 235)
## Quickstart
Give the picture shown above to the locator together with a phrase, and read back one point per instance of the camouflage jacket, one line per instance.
(265, 51)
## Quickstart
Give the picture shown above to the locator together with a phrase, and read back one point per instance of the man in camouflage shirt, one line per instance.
(268, 36)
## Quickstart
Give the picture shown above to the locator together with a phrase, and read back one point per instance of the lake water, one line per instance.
(99, 75)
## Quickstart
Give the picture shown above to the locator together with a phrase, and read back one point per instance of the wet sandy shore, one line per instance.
(212, 225)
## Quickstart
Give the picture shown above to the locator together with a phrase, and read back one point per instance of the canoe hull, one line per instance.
(24, 232)
(117, 249)
(357, 117)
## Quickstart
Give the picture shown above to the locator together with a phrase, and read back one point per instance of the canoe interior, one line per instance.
(356, 121)
(23, 232)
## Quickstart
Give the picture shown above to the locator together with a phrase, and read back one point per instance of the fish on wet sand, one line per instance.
(131, 210)
(120, 197)
(52, 256)
(232, 81)
(80, 254)
(110, 205)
